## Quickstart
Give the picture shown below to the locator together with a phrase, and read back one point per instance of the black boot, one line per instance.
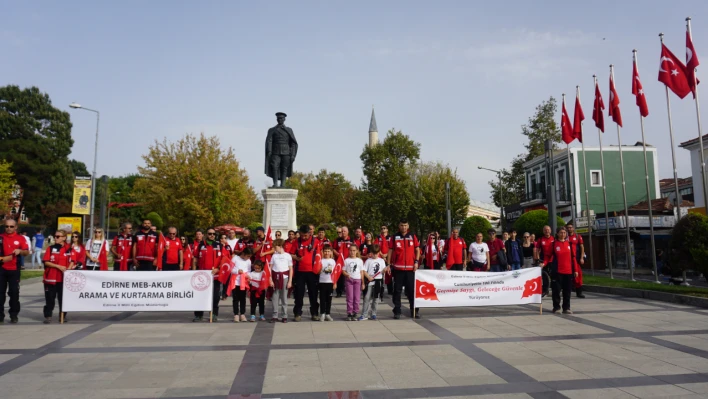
(579, 293)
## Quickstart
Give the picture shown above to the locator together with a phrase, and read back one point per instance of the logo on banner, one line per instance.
(532, 287)
(515, 274)
(441, 276)
(201, 281)
(74, 282)
(425, 290)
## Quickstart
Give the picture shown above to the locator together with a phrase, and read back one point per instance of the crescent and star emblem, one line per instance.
(420, 290)
(674, 72)
(689, 55)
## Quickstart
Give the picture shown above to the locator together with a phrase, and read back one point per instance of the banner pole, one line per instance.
(61, 317)
(210, 316)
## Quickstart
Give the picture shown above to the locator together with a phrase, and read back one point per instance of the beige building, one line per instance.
(486, 210)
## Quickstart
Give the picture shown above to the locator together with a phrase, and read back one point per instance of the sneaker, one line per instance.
(567, 311)
(243, 317)
(315, 318)
(262, 318)
(349, 317)
(373, 317)
(556, 310)
(362, 318)
(417, 316)
(329, 318)
(47, 320)
(339, 295)
(236, 319)
(397, 316)
(285, 320)
(323, 317)
(298, 318)
(252, 318)
(274, 320)
(214, 318)
(13, 320)
(196, 319)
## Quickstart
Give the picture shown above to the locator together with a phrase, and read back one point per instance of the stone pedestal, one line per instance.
(279, 210)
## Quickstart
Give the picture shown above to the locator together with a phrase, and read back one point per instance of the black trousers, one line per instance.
(52, 293)
(340, 284)
(10, 283)
(456, 267)
(403, 279)
(259, 301)
(307, 280)
(564, 283)
(168, 267)
(214, 300)
(116, 266)
(239, 297)
(279, 165)
(325, 298)
(146, 266)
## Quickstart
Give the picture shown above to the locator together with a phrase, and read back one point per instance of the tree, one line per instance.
(327, 197)
(78, 168)
(430, 210)
(254, 225)
(7, 185)
(474, 225)
(36, 139)
(156, 220)
(688, 246)
(388, 183)
(533, 222)
(194, 183)
(541, 126)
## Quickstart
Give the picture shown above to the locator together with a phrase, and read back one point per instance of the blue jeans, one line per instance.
(515, 266)
(494, 268)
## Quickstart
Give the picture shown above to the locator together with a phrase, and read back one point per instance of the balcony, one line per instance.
(539, 196)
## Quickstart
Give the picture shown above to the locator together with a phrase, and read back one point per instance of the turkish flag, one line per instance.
(566, 126)
(672, 73)
(691, 64)
(337, 271)
(317, 268)
(265, 282)
(160, 250)
(597, 108)
(267, 239)
(532, 287)
(225, 271)
(614, 103)
(424, 290)
(429, 253)
(638, 92)
(578, 119)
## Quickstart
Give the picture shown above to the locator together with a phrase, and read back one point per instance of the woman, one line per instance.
(365, 248)
(97, 252)
(479, 252)
(226, 255)
(186, 253)
(563, 271)
(431, 252)
(78, 250)
(527, 250)
(57, 259)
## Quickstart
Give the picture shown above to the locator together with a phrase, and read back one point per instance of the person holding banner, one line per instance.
(97, 252)
(327, 278)
(57, 259)
(281, 280)
(173, 257)
(145, 247)
(564, 269)
(122, 248)
(403, 257)
(307, 277)
(544, 255)
(479, 252)
(577, 241)
(207, 256)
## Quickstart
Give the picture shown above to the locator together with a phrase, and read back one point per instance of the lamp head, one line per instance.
(479, 167)
(75, 105)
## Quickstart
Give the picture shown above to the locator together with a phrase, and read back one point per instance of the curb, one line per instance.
(651, 295)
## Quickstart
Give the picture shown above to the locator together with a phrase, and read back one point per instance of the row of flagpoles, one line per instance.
(676, 76)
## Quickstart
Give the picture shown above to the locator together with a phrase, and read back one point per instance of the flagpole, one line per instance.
(673, 151)
(587, 195)
(624, 190)
(604, 195)
(700, 130)
(646, 179)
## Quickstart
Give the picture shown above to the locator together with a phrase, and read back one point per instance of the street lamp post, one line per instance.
(95, 159)
(108, 220)
(501, 196)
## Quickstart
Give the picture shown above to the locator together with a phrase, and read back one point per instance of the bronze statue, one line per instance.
(281, 149)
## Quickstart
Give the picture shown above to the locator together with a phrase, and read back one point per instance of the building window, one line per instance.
(595, 178)
(686, 191)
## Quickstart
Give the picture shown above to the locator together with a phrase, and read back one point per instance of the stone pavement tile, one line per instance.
(416, 379)
(32, 336)
(493, 396)
(455, 367)
(698, 341)
(552, 372)
(651, 321)
(602, 369)
(701, 387)
(605, 393)
(408, 330)
(656, 391)
(662, 354)
(209, 390)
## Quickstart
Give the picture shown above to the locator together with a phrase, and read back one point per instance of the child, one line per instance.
(258, 290)
(281, 279)
(326, 285)
(373, 274)
(354, 273)
(242, 265)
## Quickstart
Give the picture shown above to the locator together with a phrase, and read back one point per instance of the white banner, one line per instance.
(442, 289)
(164, 291)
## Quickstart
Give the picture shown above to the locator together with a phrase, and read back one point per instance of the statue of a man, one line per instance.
(281, 149)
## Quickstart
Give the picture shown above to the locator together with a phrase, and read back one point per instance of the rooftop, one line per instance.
(484, 205)
(659, 205)
(694, 141)
(668, 184)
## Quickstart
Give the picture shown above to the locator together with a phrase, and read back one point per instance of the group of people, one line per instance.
(304, 263)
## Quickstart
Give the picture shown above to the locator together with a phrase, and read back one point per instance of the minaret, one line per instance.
(373, 130)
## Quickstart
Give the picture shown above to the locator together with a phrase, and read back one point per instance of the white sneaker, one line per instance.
(328, 318)
(322, 318)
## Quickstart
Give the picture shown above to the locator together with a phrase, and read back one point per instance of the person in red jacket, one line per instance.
(495, 245)
(78, 253)
(307, 250)
(456, 250)
(564, 270)
(341, 247)
(543, 253)
(173, 257)
(577, 241)
(12, 246)
(187, 252)
(382, 240)
(122, 248)
(403, 258)
(57, 259)
(207, 255)
(145, 247)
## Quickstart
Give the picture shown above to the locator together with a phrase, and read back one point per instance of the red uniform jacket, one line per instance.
(60, 255)
(208, 256)
(306, 250)
(454, 248)
(11, 242)
(404, 246)
(146, 245)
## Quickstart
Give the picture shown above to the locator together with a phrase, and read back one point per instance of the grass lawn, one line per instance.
(31, 274)
(674, 289)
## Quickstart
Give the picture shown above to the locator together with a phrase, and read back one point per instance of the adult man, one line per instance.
(263, 246)
(358, 237)
(290, 244)
(579, 250)
(145, 247)
(122, 248)
(83, 199)
(322, 239)
(403, 257)
(456, 250)
(38, 244)
(495, 246)
(307, 250)
(543, 252)
(382, 240)
(173, 257)
(12, 246)
(341, 247)
(206, 257)
(513, 251)
(232, 240)
(281, 150)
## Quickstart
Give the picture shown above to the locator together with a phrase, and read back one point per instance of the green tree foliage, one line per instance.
(254, 225)
(7, 185)
(122, 200)
(430, 211)
(688, 246)
(156, 220)
(474, 225)
(541, 126)
(36, 139)
(388, 181)
(194, 183)
(325, 197)
(533, 222)
(78, 168)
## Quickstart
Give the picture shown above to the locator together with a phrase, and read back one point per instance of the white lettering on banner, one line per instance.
(442, 289)
(166, 291)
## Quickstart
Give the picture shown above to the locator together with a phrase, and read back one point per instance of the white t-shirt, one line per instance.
(256, 278)
(243, 265)
(232, 243)
(326, 273)
(374, 266)
(479, 252)
(94, 250)
(353, 266)
(281, 262)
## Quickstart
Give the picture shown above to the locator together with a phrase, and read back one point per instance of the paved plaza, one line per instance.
(612, 347)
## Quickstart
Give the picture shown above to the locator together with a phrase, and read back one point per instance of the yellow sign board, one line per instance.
(69, 224)
(700, 210)
(81, 202)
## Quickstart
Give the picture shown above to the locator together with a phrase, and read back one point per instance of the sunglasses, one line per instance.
(58, 236)
(211, 234)
(10, 227)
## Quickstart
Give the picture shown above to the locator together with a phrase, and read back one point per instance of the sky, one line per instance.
(459, 77)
